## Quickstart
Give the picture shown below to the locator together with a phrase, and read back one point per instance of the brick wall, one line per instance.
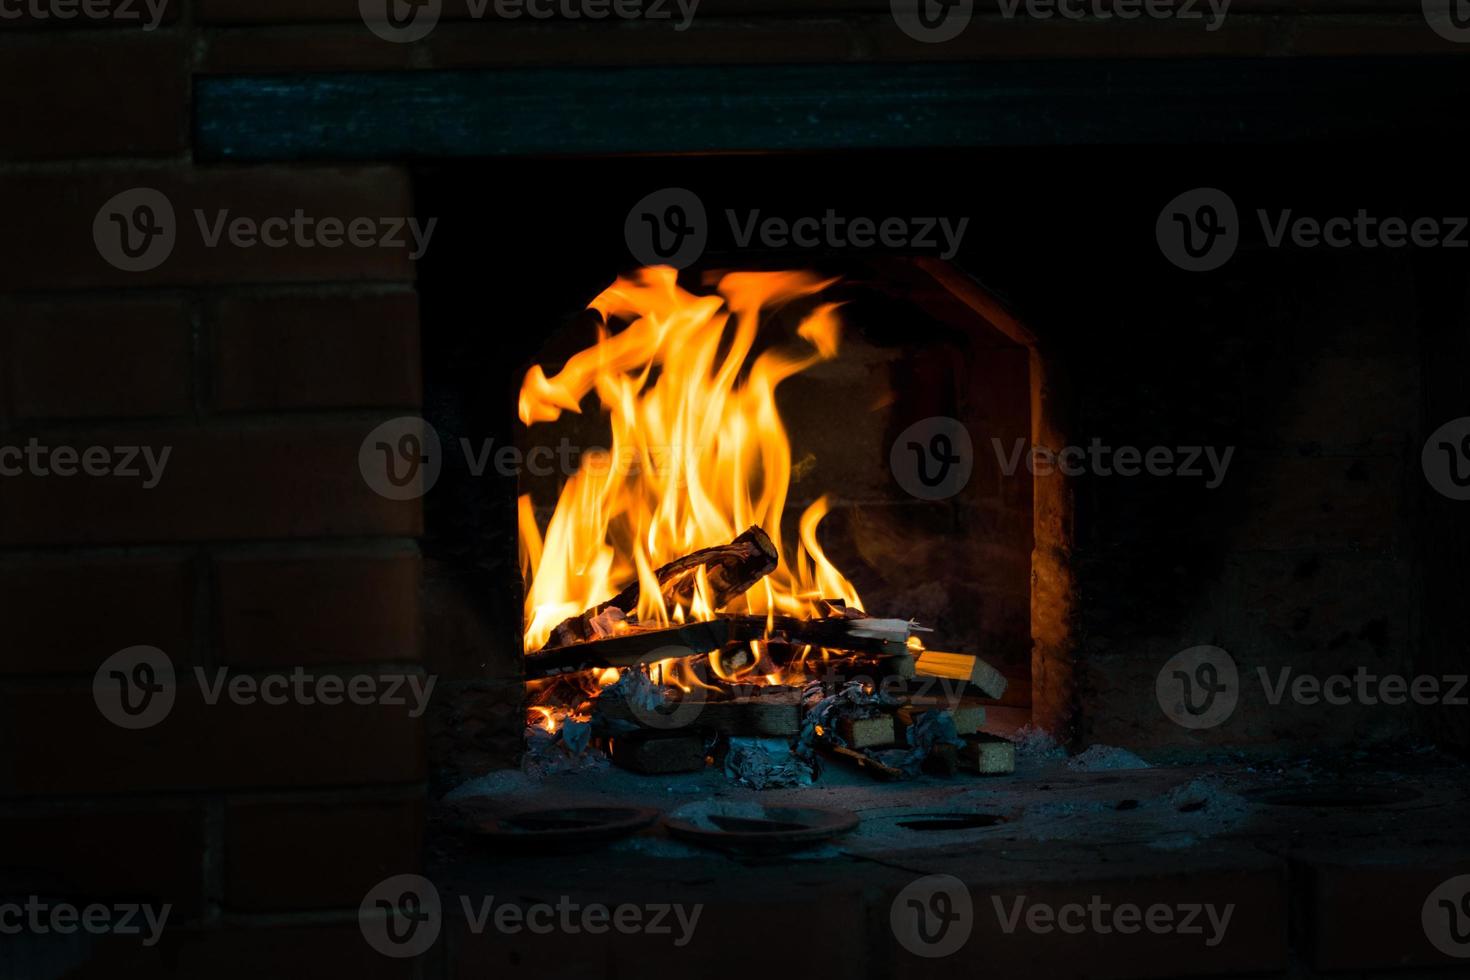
(260, 550)
(261, 370)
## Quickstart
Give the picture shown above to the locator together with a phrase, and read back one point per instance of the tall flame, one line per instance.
(698, 451)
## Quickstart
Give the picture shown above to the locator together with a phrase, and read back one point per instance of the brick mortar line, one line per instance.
(214, 423)
(103, 804)
(19, 683)
(265, 548)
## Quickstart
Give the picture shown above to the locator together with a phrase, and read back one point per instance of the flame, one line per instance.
(698, 452)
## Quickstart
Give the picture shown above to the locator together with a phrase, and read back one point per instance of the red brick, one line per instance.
(282, 950)
(316, 352)
(83, 360)
(338, 47)
(70, 748)
(138, 850)
(69, 614)
(330, 608)
(1254, 942)
(62, 96)
(58, 211)
(1368, 915)
(287, 480)
(302, 854)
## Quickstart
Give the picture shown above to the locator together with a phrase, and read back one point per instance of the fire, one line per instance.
(698, 451)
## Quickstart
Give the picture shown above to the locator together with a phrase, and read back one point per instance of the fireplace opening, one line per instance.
(860, 513)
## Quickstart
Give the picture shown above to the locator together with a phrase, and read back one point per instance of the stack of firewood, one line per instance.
(889, 733)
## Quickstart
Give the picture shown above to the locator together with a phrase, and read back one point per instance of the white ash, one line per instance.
(765, 763)
(1105, 758)
(1036, 746)
(931, 729)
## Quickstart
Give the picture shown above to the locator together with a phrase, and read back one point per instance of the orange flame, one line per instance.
(698, 452)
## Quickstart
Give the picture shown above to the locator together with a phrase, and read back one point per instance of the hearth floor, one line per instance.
(1324, 887)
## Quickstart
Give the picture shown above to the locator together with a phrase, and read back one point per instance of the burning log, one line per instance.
(731, 569)
(879, 637)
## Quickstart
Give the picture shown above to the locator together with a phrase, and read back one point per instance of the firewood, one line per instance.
(962, 667)
(856, 759)
(968, 718)
(867, 733)
(654, 753)
(857, 635)
(770, 714)
(731, 569)
(988, 755)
